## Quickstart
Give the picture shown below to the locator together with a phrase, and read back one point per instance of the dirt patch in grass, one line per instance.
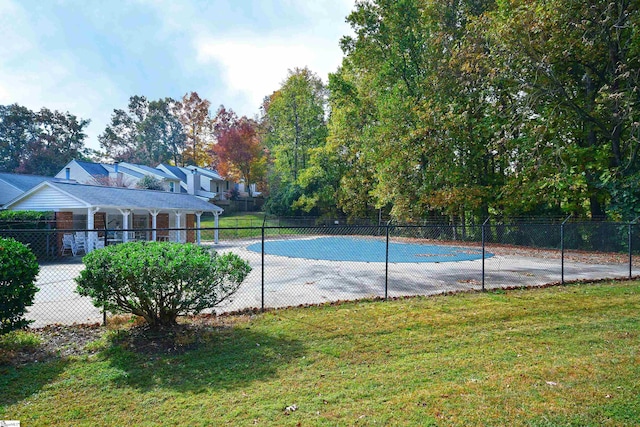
(55, 341)
(176, 339)
(62, 341)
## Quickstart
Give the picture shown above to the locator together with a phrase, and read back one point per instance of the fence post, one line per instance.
(630, 253)
(104, 310)
(386, 266)
(483, 251)
(562, 249)
(262, 281)
(631, 246)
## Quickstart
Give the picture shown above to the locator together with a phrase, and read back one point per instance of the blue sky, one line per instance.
(89, 56)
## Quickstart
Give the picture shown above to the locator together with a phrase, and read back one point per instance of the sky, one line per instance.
(88, 57)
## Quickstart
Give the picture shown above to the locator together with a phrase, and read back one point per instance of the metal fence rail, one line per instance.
(294, 265)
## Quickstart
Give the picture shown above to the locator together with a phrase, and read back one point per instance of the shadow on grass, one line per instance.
(20, 382)
(222, 358)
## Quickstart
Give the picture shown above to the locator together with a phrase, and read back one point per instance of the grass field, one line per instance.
(541, 357)
(236, 221)
(244, 225)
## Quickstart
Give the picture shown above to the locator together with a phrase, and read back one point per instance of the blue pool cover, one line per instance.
(365, 250)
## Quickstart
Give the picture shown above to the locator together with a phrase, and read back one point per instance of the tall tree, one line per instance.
(238, 150)
(193, 113)
(149, 132)
(17, 128)
(163, 134)
(296, 117)
(39, 142)
(293, 126)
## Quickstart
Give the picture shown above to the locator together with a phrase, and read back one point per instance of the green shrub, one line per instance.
(18, 271)
(160, 280)
(25, 219)
(149, 182)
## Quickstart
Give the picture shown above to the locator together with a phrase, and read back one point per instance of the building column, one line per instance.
(178, 226)
(198, 214)
(216, 223)
(92, 235)
(125, 224)
(154, 215)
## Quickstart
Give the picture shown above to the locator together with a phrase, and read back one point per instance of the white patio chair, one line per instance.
(69, 244)
(94, 241)
(81, 242)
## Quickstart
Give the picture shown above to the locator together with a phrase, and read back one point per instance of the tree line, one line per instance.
(464, 109)
(453, 110)
(179, 132)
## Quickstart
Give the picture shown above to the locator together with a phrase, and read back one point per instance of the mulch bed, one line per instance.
(63, 341)
(56, 341)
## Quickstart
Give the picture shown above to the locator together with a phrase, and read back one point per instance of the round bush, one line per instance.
(18, 271)
(160, 280)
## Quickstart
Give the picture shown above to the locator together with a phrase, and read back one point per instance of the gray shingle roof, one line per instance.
(17, 184)
(93, 169)
(154, 171)
(176, 171)
(128, 198)
(129, 171)
(23, 182)
(207, 172)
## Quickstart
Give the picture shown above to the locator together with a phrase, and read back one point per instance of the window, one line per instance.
(79, 221)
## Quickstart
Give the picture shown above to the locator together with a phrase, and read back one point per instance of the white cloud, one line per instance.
(256, 66)
(35, 77)
(54, 84)
(249, 45)
(232, 52)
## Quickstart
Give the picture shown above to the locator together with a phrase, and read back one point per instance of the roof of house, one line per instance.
(93, 169)
(131, 169)
(181, 172)
(23, 182)
(20, 184)
(125, 170)
(209, 173)
(147, 170)
(124, 198)
(175, 170)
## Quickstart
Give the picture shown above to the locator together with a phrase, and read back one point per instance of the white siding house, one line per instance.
(139, 214)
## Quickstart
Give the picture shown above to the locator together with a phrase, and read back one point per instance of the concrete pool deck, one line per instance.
(297, 281)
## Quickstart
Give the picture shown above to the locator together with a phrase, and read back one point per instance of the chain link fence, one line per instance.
(301, 264)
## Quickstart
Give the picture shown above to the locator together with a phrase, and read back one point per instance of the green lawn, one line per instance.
(243, 225)
(542, 357)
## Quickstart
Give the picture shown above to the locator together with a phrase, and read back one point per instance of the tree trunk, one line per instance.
(596, 209)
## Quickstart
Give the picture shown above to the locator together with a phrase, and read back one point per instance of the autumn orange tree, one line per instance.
(238, 152)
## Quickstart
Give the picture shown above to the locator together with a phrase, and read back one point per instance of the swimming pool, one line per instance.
(360, 249)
